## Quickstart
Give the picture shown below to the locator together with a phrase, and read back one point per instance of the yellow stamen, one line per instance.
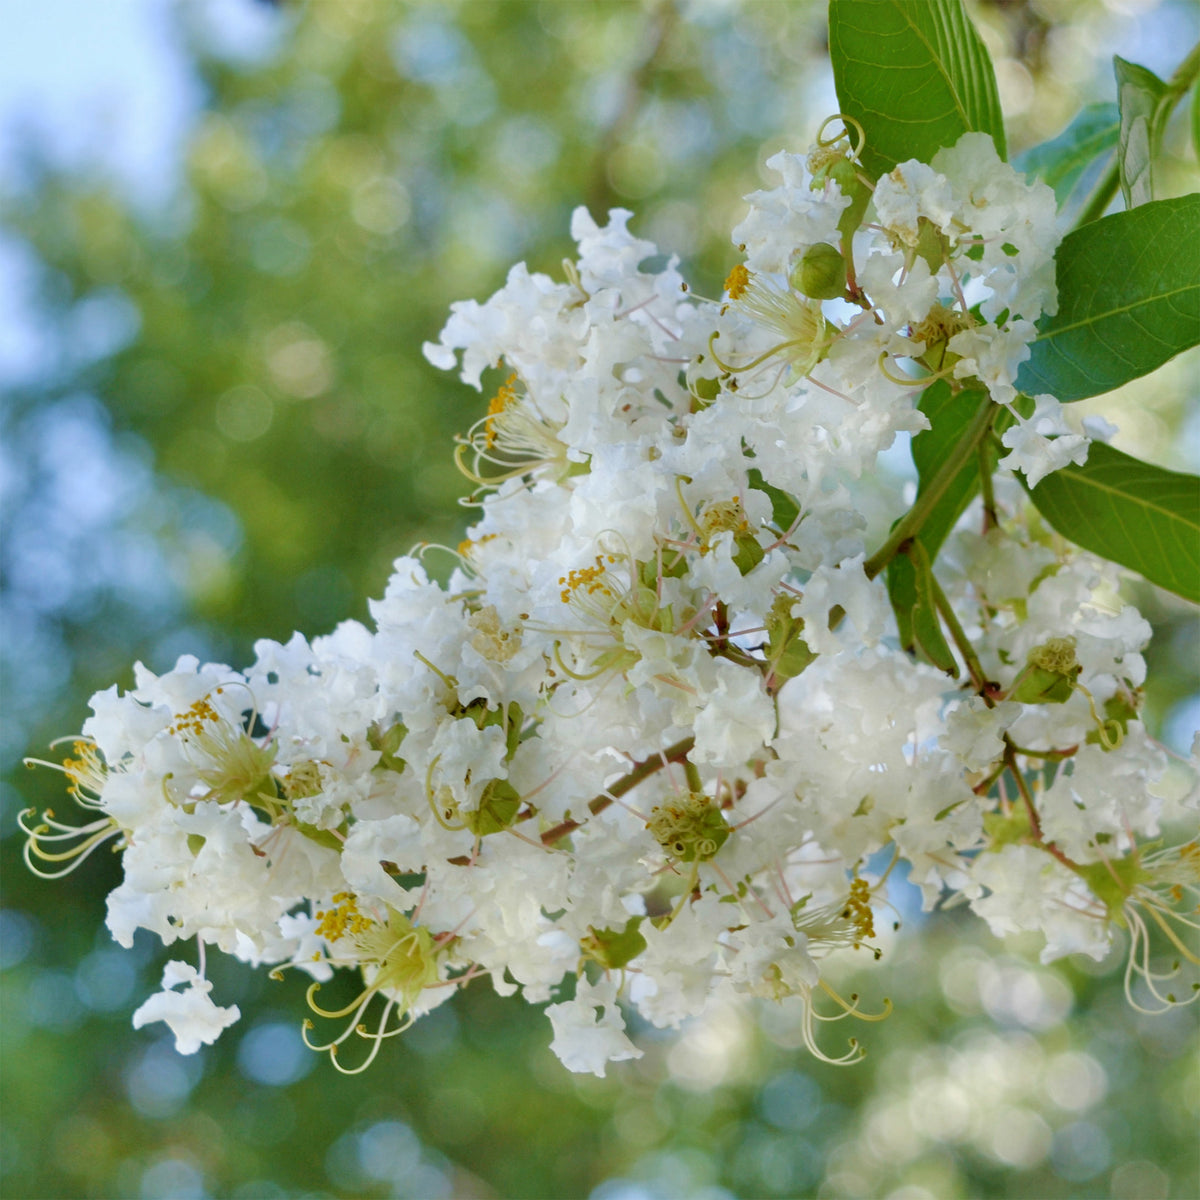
(590, 579)
(344, 918)
(737, 282)
(506, 396)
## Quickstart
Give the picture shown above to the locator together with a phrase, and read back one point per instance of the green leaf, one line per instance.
(926, 627)
(614, 948)
(787, 651)
(914, 74)
(1142, 516)
(1063, 161)
(1145, 105)
(784, 509)
(498, 805)
(1128, 300)
(950, 414)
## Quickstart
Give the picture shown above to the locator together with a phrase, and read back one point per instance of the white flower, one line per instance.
(913, 190)
(589, 1031)
(847, 587)
(395, 840)
(993, 356)
(1014, 223)
(191, 1014)
(788, 218)
(514, 770)
(737, 719)
(1043, 442)
(1029, 890)
(974, 732)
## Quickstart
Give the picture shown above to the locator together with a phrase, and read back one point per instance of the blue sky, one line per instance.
(96, 84)
(106, 85)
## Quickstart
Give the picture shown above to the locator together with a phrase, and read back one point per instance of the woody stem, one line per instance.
(643, 770)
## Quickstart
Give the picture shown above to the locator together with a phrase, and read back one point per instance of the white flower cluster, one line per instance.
(651, 732)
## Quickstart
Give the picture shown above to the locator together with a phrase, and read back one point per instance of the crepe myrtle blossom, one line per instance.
(191, 1014)
(640, 749)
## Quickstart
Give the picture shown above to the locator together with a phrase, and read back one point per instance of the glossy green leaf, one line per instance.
(902, 594)
(950, 415)
(1062, 162)
(1132, 512)
(914, 74)
(1128, 300)
(1145, 105)
(926, 626)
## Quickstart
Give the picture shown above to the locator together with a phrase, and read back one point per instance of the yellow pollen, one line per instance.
(858, 909)
(343, 918)
(467, 544)
(87, 771)
(499, 402)
(193, 720)
(723, 515)
(591, 579)
(737, 282)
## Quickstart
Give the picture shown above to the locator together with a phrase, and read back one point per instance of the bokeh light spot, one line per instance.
(273, 1054)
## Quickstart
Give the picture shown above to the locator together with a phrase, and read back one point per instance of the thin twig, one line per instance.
(626, 783)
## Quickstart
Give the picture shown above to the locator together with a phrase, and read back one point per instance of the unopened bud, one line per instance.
(1049, 675)
(821, 273)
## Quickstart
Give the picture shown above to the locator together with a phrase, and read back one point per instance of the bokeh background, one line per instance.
(228, 226)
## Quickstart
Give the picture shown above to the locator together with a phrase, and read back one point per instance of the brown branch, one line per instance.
(626, 783)
(1035, 824)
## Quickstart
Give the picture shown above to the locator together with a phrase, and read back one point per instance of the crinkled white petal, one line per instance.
(589, 1031)
(190, 1014)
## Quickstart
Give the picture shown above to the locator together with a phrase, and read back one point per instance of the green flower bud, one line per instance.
(1049, 675)
(690, 829)
(821, 273)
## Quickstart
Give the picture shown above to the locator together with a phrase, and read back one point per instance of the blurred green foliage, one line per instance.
(242, 370)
